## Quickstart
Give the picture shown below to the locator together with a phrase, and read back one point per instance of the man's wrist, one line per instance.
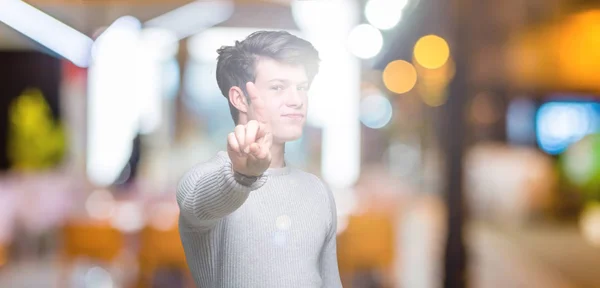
(243, 179)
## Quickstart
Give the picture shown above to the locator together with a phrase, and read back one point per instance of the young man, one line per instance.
(248, 219)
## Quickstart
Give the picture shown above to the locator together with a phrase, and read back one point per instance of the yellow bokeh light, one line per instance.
(399, 76)
(431, 51)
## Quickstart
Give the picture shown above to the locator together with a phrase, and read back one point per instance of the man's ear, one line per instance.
(237, 99)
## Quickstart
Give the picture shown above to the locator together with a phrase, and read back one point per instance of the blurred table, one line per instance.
(540, 255)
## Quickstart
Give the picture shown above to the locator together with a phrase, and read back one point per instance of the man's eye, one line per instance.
(277, 88)
(302, 88)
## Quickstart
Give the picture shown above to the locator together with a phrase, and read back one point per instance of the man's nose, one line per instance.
(294, 98)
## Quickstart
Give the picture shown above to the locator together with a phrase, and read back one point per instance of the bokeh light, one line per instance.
(98, 277)
(576, 45)
(384, 14)
(365, 41)
(128, 217)
(559, 124)
(100, 204)
(375, 111)
(399, 76)
(431, 51)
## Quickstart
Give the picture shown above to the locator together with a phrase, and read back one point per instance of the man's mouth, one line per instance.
(294, 116)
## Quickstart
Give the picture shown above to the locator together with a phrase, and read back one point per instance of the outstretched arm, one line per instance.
(211, 191)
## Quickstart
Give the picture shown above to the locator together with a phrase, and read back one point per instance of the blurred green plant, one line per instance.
(35, 140)
(580, 165)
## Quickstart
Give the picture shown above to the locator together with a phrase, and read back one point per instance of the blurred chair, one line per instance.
(161, 249)
(91, 240)
(367, 246)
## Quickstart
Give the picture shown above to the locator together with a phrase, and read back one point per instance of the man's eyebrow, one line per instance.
(287, 81)
(280, 80)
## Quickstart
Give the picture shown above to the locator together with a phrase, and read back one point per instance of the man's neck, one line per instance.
(277, 156)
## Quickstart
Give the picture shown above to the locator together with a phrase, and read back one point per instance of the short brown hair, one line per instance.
(236, 65)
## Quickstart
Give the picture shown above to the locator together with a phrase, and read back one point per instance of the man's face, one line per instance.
(284, 90)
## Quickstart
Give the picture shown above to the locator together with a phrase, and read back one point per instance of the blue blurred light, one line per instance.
(559, 124)
(375, 111)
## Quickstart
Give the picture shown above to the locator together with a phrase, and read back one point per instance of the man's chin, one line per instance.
(288, 137)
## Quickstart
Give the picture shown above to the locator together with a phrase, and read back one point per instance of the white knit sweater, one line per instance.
(276, 232)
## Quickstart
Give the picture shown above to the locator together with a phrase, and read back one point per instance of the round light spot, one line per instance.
(375, 111)
(365, 41)
(432, 51)
(384, 14)
(399, 76)
(98, 277)
(100, 204)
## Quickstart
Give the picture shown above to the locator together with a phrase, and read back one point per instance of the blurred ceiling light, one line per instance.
(310, 15)
(365, 41)
(125, 27)
(431, 51)
(399, 76)
(194, 17)
(327, 24)
(160, 44)
(46, 30)
(156, 47)
(384, 14)
(113, 118)
(331, 16)
(375, 111)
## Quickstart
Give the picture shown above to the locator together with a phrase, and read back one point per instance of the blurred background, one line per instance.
(460, 138)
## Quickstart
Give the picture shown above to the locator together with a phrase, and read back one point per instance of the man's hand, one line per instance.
(249, 146)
